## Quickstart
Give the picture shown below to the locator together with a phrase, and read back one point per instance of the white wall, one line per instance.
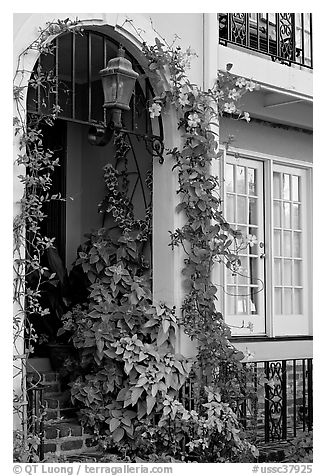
(267, 139)
(189, 28)
(263, 70)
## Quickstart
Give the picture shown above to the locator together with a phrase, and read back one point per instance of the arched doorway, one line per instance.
(72, 82)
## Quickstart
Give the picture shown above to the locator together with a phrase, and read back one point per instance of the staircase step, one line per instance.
(63, 434)
(50, 380)
(60, 413)
(67, 437)
(55, 400)
(61, 429)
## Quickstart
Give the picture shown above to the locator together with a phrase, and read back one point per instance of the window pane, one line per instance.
(297, 273)
(97, 59)
(296, 216)
(253, 301)
(242, 301)
(241, 180)
(230, 277)
(81, 83)
(243, 275)
(253, 212)
(253, 270)
(297, 301)
(242, 210)
(287, 301)
(286, 215)
(230, 302)
(287, 243)
(278, 300)
(64, 72)
(229, 182)
(277, 243)
(286, 187)
(230, 207)
(277, 185)
(252, 179)
(295, 188)
(287, 267)
(297, 244)
(278, 272)
(254, 249)
(277, 214)
(244, 233)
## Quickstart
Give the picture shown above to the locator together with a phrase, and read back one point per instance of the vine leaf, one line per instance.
(150, 401)
(118, 434)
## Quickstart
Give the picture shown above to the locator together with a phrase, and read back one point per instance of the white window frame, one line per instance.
(258, 320)
(276, 326)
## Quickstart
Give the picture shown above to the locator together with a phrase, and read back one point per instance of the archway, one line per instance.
(69, 79)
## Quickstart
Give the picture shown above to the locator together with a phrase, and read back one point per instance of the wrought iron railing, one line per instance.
(282, 407)
(35, 412)
(284, 37)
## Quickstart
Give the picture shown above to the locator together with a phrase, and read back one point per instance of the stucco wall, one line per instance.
(268, 139)
(189, 28)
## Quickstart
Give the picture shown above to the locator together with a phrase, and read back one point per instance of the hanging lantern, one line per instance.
(118, 80)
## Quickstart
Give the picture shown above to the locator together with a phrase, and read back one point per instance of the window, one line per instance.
(286, 37)
(303, 35)
(245, 211)
(269, 203)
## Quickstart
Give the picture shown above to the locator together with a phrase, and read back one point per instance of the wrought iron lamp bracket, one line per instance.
(101, 135)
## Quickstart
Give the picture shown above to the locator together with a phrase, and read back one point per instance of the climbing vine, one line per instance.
(206, 237)
(35, 165)
(127, 377)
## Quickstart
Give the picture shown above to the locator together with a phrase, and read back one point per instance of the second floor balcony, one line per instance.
(284, 37)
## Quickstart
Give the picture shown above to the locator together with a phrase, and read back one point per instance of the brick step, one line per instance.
(49, 380)
(58, 400)
(60, 413)
(67, 437)
(272, 452)
(57, 403)
(63, 434)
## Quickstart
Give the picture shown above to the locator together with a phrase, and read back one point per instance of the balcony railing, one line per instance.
(282, 408)
(284, 37)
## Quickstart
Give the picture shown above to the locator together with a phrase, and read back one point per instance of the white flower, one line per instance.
(233, 94)
(185, 58)
(250, 85)
(155, 110)
(183, 99)
(246, 116)
(248, 354)
(193, 120)
(185, 62)
(252, 240)
(229, 107)
(194, 90)
(241, 82)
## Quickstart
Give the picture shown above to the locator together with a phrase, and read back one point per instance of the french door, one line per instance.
(290, 242)
(244, 209)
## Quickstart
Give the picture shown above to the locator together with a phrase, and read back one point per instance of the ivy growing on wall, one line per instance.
(127, 376)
